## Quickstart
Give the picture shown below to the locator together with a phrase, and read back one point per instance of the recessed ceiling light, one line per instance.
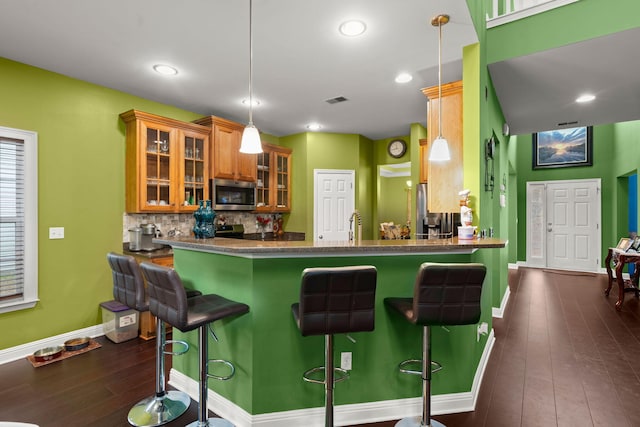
(587, 97)
(165, 69)
(352, 28)
(403, 78)
(255, 102)
(313, 126)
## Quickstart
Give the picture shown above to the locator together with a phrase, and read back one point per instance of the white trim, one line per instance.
(498, 312)
(21, 351)
(513, 266)
(359, 413)
(525, 13)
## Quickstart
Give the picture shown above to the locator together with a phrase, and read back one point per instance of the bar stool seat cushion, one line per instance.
(169, 302)
(336, 300)
(444, 295)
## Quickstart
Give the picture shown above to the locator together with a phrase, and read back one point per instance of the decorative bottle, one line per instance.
(198, 226)
(208, 217)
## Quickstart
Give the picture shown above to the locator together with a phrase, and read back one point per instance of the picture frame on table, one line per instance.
(563, 148)
(624, 244)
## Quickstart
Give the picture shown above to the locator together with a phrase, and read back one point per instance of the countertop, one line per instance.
(279, 248)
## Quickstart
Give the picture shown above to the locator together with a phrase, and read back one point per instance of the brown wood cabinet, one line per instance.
(226, 159)
(273, 179)
(167, 163)
(445, 179)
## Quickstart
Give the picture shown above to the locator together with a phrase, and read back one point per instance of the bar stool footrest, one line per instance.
(224, 362)
(184, 344)
(342, 375)
(417, 422)
(402, 365)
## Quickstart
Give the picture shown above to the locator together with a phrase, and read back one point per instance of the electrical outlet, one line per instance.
(345, 360)
(56, 232)
(483, 329)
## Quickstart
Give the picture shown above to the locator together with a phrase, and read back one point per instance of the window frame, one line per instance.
(30, 286)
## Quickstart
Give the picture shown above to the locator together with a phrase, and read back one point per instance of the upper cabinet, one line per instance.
(445, 179)
(273, 179)
(167, 167)
(226, 159)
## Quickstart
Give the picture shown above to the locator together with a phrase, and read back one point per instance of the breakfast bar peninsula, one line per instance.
(270, 355)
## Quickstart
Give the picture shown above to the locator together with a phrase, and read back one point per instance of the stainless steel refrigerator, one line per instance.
(433, 225)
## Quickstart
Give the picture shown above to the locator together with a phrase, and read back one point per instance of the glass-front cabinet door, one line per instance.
(282, 177)
(157, 180)
(194, 176)
(273, 179)
(263, 181)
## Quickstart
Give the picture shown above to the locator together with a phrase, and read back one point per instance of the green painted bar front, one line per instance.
(270, 355)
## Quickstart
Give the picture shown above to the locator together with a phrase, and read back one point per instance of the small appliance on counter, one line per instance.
(140, 238)
(135, 239)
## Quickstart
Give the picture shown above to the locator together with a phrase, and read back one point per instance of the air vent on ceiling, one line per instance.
(575, 122)
(336, 100)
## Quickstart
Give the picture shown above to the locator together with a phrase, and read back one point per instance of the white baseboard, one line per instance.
(498, 312)
(24, 350)
(359, 413)
(511, 266)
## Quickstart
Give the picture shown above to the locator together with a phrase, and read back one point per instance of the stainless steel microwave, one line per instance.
(229, 195)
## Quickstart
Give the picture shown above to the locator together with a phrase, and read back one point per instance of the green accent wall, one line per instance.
(565, 25)
(81, 148)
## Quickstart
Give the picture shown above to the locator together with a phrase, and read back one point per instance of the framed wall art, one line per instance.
(563, 148)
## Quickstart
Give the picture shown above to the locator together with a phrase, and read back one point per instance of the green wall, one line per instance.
(578, 21)
(81, 148)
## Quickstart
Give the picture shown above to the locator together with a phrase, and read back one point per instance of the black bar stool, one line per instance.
(128, 289)
(444, 295)
(334, 301)
(168, 302)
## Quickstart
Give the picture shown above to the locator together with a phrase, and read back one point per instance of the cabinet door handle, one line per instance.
(549, 227)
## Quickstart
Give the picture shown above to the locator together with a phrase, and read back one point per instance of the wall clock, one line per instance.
(397, 148)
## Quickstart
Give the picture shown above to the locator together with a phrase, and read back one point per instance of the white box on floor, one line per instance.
(120, 323)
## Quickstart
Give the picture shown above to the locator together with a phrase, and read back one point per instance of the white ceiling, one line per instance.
(537, 91)
(300, 59)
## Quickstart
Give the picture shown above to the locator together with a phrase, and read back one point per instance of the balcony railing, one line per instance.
(512, 10)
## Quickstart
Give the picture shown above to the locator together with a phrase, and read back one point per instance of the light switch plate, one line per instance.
(56, 232)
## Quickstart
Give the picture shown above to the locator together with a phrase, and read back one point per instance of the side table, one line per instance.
(618, 259)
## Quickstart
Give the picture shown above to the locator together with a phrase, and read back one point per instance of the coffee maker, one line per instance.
(149, 231)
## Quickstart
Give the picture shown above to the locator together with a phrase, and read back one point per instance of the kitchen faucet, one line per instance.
(355, 214)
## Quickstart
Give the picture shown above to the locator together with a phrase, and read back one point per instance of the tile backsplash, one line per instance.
(181, 224)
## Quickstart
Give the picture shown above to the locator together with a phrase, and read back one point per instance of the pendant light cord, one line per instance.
(250, 62)
(439, 78)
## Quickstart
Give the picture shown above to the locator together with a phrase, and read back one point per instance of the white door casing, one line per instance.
(563, 224)
(334, 202)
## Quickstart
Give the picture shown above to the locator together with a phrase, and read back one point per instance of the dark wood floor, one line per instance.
(563, 357)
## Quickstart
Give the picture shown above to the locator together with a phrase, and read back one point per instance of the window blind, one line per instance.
(12, 218)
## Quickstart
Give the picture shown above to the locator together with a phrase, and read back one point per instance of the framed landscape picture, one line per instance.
(563, 148)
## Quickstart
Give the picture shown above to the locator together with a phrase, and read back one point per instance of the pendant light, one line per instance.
(440, 146)
(251, 143)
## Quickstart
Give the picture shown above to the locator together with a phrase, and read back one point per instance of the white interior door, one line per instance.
(334, 202)
(563, 224)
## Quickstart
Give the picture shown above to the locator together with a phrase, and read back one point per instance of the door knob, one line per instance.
(320, 237)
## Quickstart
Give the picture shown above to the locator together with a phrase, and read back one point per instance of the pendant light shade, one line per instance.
(440, 146)
(439, 150)
(251, 143)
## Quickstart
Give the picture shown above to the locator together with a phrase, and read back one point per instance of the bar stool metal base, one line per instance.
(155, 411)
(417, 422)
(212, 422)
